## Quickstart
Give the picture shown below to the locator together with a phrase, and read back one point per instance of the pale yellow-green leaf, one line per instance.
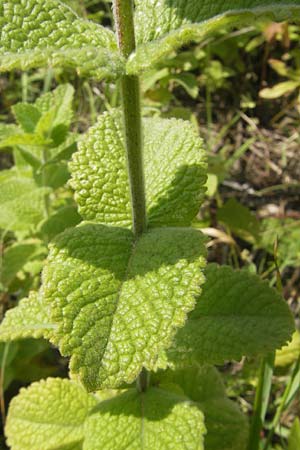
(227, 427)
(21, 202)
(165, 25)
(289, 353)
(49, 415)
(280, 89)
(28, 319)
(154, 420)
(117, 302)
(175, 172)
(36, 33)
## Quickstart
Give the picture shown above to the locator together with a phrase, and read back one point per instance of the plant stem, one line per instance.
(123, 14)
(143, 381)
(261, 400)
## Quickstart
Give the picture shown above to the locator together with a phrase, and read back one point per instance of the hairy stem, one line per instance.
(123, 14)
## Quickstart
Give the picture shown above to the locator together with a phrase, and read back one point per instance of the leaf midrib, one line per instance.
(125, 278)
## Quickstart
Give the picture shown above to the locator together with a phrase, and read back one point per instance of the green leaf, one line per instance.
(26, 365)
(236, 315)
(175, 169)
(280, 89)
(64, 151)
(26, 139)
(61, 100)
(14, 259)
(56, 114)
(117, 302)
(152, 420)
(7, 130)
(28, 156)
(65, 217)
(21, 203)
(165, 25)
(227, 427)
(27, 116)
(56, 175)
(289, 353)
(38, 33)
(240, 220)
(294, 439)
(48, 415)
(186, 80)
(29, 319)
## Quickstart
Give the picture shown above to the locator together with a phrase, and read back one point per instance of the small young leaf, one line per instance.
(152, 420)
(27, 116)
(21, 203)
(227, 427)
(117, 302)
(237, 314)
(29, 319)
(165, 25)
(175, 169)
(48, 415)
(36, 33)
(64, 151)
(61, 100)
(26, 139)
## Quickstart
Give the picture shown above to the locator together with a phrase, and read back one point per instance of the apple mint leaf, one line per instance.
(118, 302)
(60, 101)
(48, 415)
(29, 319)
(24, 139)
(36, 33)
(155, 419)
(27, 116)
(7, 130)
(166, 25)
(14, 258)
(227, 427)
(175, 170)
(236, 315)
(65, 217)
(21, 202)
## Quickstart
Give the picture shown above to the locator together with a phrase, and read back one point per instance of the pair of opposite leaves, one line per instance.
(114, 303)
(36, 33)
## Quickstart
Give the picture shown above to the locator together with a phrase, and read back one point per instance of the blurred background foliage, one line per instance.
(241, 91)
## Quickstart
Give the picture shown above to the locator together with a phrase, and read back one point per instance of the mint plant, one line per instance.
(124, 293)
(41, 144)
